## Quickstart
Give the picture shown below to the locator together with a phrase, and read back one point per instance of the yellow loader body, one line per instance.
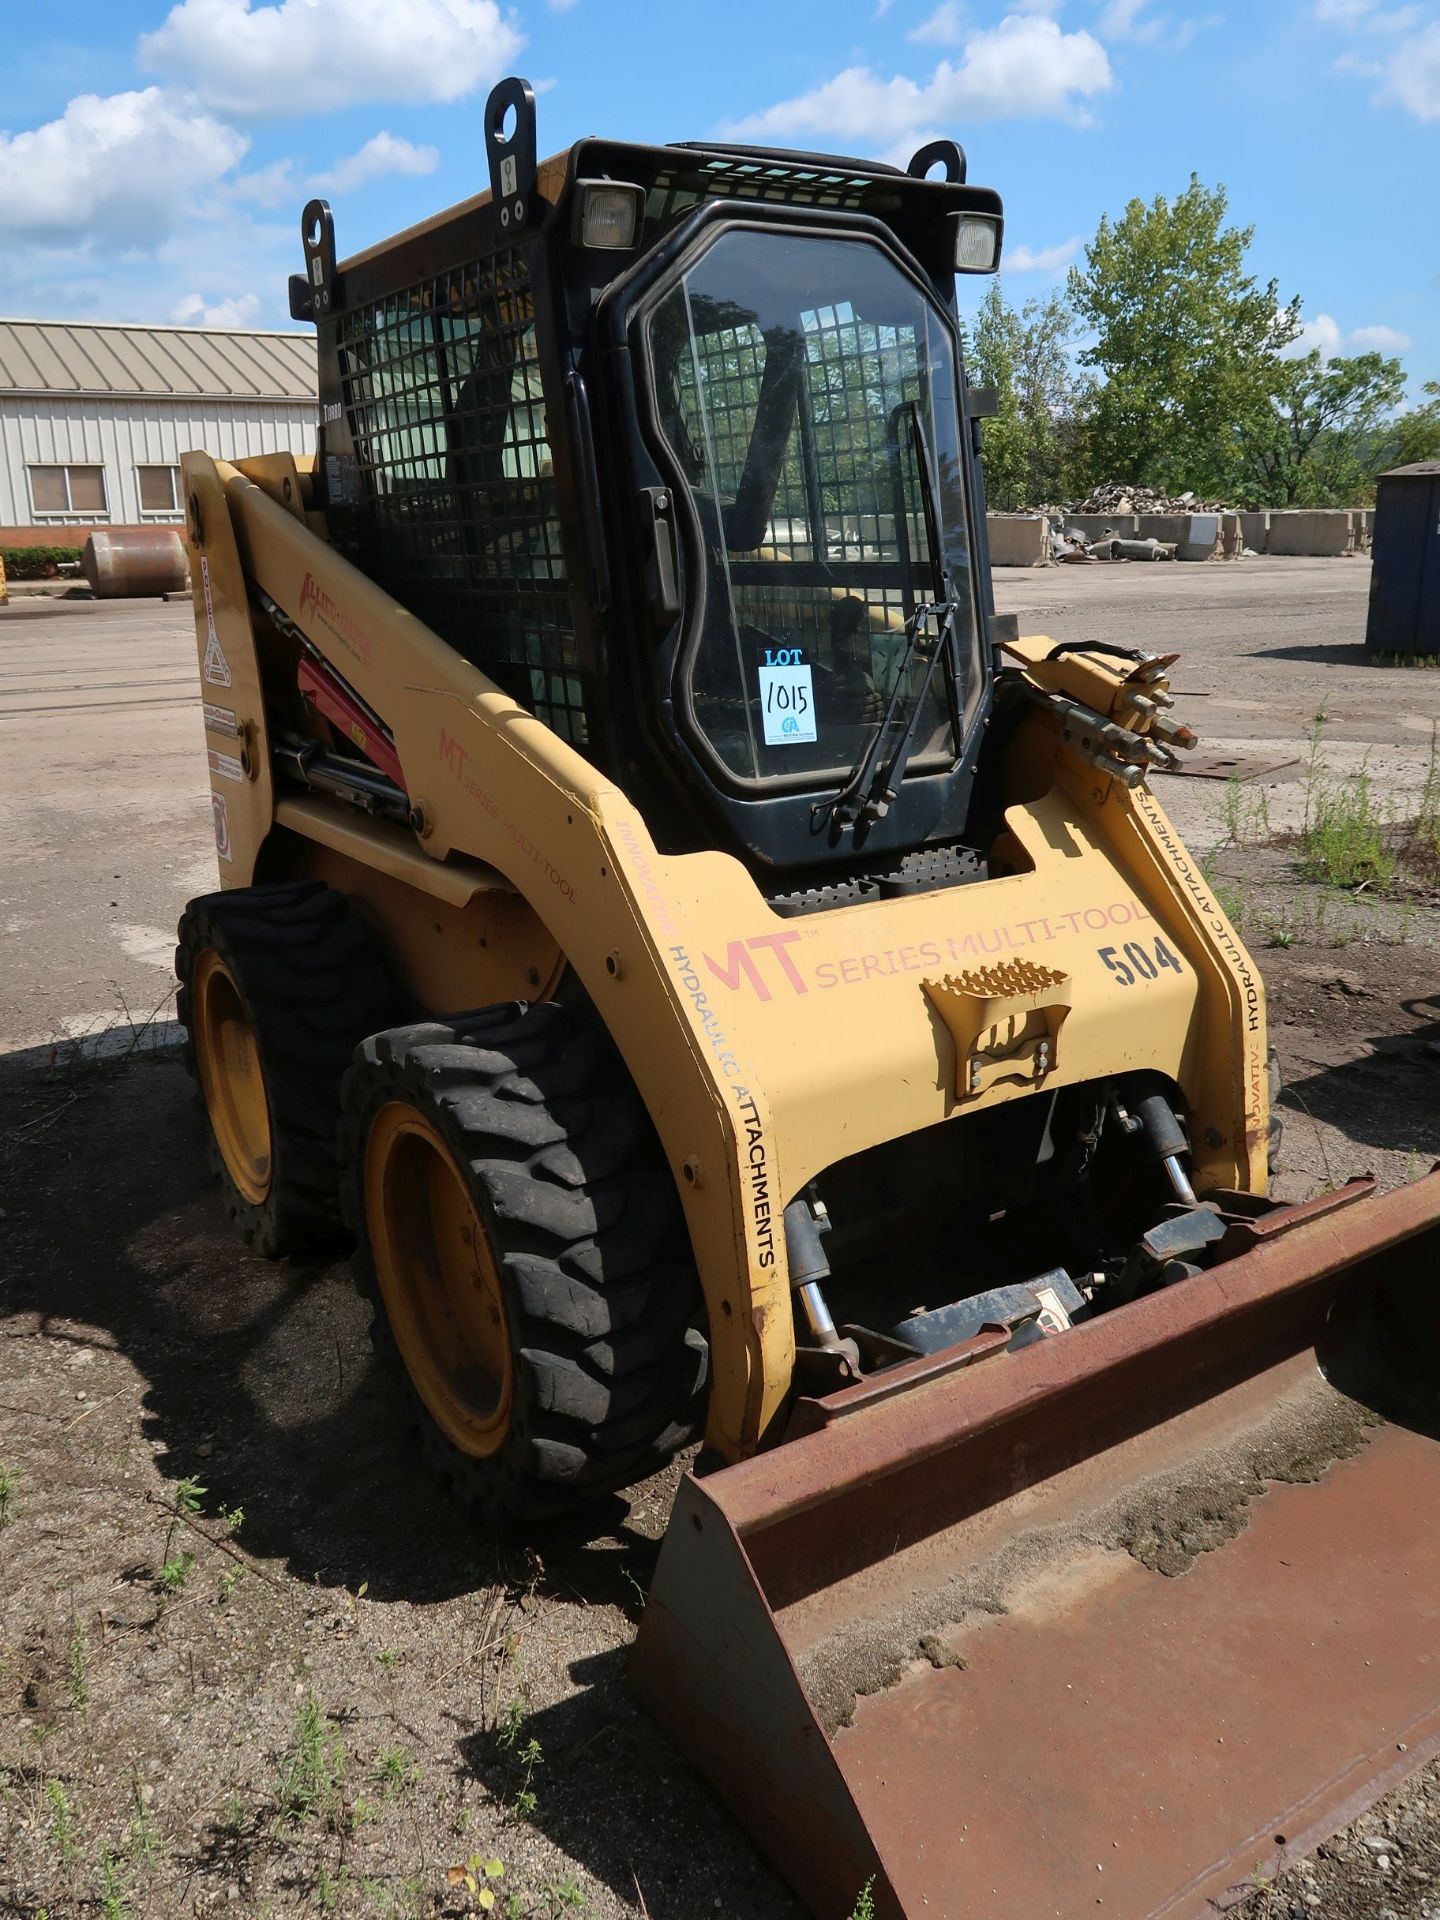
(765, 1050)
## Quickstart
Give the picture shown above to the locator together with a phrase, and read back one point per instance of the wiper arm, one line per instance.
(887, 782)
(879, 787)
(847, 806)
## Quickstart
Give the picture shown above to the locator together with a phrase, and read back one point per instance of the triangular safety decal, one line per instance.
(217, 667)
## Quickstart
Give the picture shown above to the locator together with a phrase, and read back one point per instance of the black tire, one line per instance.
(608, 1370)
(312, 984)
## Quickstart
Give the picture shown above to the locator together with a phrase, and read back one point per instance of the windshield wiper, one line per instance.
(869, 792)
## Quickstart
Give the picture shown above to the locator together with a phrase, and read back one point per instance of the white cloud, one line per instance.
(1024, 68)
(1413, 75)
(271, 186)
(1408, 69)
(944, 28)
(119, 166)
(1120, 20)
(1323, 335)
(381, 154)
(1367, 13)
(1042, 259)
(1320, 335)
(1378, 340)
(219, 256)
(1128, 20)
(309, 56)
(241, 310)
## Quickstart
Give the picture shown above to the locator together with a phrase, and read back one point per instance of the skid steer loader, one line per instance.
(731, 986)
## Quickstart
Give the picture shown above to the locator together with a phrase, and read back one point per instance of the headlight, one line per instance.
(977, 243)
(608, 214)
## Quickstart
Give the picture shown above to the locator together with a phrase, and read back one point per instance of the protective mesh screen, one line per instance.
(739, 177)
(853, 377)
(459, 518)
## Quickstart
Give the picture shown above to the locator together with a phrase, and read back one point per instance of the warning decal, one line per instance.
(217, 668)
(222, 826)
(226, 765)
(221, 719)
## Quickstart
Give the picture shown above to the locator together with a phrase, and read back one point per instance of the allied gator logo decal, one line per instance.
(319, 606)
(455, 759)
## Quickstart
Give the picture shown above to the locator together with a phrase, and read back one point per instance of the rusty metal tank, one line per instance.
(132, 563)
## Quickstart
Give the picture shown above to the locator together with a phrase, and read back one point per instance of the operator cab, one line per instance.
(672, 442)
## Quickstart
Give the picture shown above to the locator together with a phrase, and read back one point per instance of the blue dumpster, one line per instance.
(1405, 582)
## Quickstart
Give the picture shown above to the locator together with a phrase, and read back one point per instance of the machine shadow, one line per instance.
(1342, 653)
(261, 1384)
(1390, 1097)
(667, 1843)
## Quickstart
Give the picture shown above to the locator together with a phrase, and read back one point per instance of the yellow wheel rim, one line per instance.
(230, 1077)
(438, 1279)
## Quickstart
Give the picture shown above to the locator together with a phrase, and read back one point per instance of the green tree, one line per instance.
(1326, 433)
(1187, 340)
(1416, 434)
(1022, 353)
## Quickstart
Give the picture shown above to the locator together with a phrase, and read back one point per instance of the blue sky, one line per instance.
(154, 158)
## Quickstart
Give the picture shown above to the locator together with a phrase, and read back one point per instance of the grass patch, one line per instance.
(1344, 841)
(394, 1772)
(311, 1768)
(9, 1487)
(62, 1824)
(1422, 661)
(79, 1649)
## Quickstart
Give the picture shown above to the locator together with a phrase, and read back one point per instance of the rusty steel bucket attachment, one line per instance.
(1107, 1624)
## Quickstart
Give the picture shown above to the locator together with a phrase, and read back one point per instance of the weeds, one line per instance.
(114, 1894)
(528, 1755)
(475, 1877)
(1343, 839)
(394, 1772)
(330, 1888)
(864, 1908)
(9, 1487)
(62, 1823)
(79, 1684)
(174, 1573)
(530, 1758)
(142, 1843)
(1383, 658)
(1245, 815)
(563, 1896)
(175, 1567)
(1425, 836)
(311, 1768)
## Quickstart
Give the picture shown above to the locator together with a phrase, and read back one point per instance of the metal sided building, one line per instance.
(94, 419)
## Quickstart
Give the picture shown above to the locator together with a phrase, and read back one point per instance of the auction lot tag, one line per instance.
(787, 698)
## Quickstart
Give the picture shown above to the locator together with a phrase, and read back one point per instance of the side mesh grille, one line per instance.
(459, 517)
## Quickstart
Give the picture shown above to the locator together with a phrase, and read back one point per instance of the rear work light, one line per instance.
(608, 214)
(977, 243)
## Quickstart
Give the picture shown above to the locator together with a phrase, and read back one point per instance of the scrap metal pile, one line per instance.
(1116, 496)
(1117, 521)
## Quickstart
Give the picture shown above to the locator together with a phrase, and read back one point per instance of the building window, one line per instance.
(67, 489)
(159, 489)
